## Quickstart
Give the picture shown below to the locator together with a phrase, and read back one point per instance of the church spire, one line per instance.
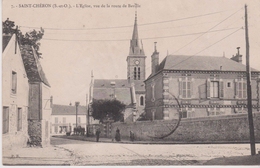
(134, 43)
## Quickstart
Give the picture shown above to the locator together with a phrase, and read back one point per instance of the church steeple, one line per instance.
(135, 48)
(136, 58)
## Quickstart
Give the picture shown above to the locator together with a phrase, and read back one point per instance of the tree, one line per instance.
(30, 38)
(104, 109)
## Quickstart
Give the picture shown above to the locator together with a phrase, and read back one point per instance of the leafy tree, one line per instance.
(30, 38)
(106, 109)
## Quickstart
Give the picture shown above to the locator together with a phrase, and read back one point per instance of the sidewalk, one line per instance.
(50, 155)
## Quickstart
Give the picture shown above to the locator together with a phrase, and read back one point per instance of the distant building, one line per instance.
(63, 118)
(130, 91)
(15, 92)
(203, 85)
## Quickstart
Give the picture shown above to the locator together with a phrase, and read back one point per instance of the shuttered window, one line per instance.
(185, 87)
(19, 119)
(56, 120)
(5, 120)
(215, 88)
(241, 89)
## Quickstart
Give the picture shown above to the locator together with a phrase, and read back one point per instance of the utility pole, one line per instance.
(76, 104)
(249, 90)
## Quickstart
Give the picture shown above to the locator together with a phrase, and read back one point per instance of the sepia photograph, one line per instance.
(130, 83)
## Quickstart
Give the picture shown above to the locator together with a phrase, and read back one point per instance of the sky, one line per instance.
(78, 40)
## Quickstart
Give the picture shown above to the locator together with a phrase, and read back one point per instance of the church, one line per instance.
(130, 91)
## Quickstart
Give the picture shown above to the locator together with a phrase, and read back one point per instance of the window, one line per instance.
(185, 87)
(242, 89)
(141, 100)
(56, 120)
(64, 119)
(14, 82)
(19, 119)
(5, 120)
(215, 111)
(214, 89)
(228, 84)
(187, 113)
(79, 120)
(134, 73)
(139, 71)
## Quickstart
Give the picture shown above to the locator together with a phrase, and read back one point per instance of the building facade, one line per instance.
(15, 92)
(63, 118)
(198, 86)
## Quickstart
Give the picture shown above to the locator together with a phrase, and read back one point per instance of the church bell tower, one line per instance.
(136, 58)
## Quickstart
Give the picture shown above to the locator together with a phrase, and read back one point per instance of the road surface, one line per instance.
(92, 153)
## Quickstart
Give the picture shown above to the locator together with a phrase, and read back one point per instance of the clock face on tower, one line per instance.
(137, 62)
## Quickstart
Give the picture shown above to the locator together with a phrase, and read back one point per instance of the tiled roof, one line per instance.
(32, 65)
(68, 110)
(5, 41)
(206, 63)
(104, 90)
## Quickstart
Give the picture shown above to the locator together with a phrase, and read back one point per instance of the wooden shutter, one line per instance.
(208, 88)
(236, 89)
(180, 87)
(221, 89)
(191, 88)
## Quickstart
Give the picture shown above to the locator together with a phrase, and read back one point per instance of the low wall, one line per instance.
(207, 129)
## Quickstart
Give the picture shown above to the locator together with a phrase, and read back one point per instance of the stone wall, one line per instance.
(232, 128)
(35, 132)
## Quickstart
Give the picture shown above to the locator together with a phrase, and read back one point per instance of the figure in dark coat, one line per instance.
(117, 135)
(97, 134)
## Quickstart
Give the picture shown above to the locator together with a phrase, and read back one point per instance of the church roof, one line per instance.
(204, 63)
(106, 88)
(68, 110)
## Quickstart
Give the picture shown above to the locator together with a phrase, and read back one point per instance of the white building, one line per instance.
(15, 92)
(63, 118)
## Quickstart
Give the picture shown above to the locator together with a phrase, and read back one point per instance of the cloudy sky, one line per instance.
(78, 40)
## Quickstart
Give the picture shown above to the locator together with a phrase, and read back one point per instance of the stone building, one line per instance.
(39, 113)
(203, 86)
(130, 91)
(15, 89)
(63, 118)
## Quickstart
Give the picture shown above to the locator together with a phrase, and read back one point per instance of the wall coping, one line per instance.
(208, 118)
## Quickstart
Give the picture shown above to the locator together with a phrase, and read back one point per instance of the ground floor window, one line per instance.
(187, 113)
(19, 119)
(215, 111)
(5, 120)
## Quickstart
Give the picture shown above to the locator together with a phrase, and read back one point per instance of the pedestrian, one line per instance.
(97, 134)
(118, 135)
(132, 136)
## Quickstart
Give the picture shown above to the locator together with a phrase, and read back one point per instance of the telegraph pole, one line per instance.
(249, 90)
(76, 104)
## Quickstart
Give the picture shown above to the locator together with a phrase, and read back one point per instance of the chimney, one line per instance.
(238, 57)
(155, 59)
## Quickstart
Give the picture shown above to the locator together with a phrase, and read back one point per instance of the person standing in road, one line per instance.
(118, 135)
(97, 134)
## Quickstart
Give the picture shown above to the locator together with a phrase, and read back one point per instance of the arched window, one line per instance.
(139, 71)
(135, 73)
(141, 100)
